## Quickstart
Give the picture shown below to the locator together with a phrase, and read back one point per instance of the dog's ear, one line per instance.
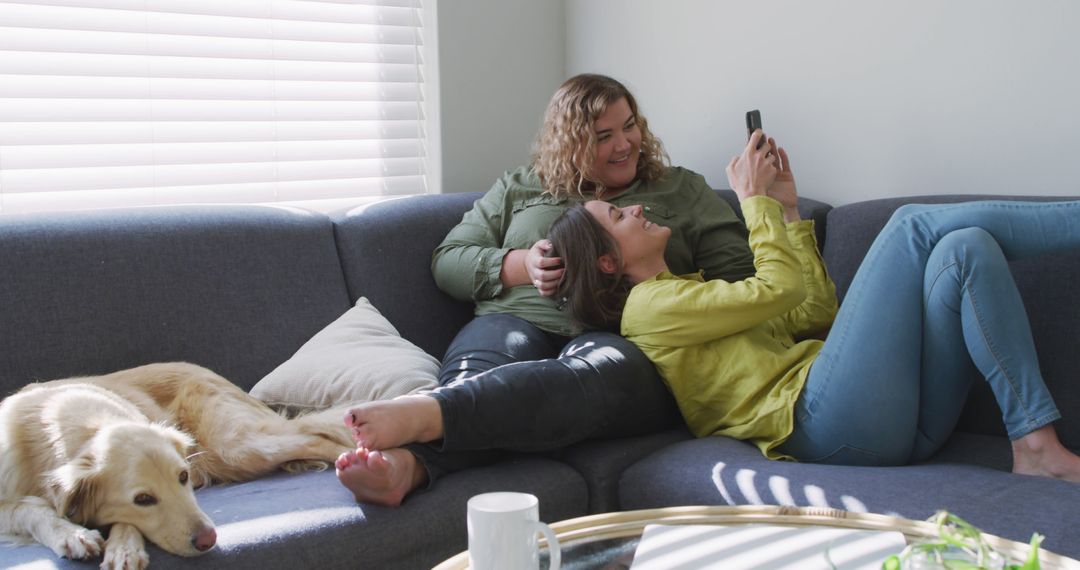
(185, 444)
(187, 447)
(73, 488)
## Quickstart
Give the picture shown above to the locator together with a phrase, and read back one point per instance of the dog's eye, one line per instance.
(183, 477)
(145, 500)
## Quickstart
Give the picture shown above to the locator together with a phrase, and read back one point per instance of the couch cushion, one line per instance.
(1051, 305)
(602, 462)
(236, 289)
(357, 358)
(723, 471)
(310, 521)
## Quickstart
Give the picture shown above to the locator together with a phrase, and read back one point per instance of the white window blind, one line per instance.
(134, 102)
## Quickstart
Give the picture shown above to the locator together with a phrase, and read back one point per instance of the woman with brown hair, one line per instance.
(932, 307)
(519, 377)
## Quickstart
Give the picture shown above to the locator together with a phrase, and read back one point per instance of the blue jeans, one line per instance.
(509, 386)
(932, 306)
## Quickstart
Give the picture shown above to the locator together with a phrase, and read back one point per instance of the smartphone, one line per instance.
(753, 122)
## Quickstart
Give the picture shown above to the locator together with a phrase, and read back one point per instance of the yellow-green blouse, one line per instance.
(727, 349)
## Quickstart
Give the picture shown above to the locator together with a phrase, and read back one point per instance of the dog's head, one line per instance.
(136, 474)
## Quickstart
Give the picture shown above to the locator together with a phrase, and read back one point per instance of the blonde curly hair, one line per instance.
(566, 144)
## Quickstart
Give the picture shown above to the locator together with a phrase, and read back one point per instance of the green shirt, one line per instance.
(728, 350)
(706, 235)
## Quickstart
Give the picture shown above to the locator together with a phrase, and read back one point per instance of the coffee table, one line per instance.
(608, 541)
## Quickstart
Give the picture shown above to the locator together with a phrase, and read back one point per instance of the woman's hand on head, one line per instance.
(783, 187)
(752, 172)
(544, 272)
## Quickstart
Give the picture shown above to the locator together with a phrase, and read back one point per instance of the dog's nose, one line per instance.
(204, 539)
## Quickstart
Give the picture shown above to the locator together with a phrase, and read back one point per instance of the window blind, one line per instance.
(134, 102)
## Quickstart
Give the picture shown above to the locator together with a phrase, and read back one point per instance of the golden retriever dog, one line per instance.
(126, 451)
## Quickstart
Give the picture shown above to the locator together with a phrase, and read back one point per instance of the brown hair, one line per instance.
(593, 298)
(566, 144)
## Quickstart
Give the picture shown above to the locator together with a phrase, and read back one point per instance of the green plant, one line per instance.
(960, 546)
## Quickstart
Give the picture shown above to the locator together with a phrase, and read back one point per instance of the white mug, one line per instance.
(502, 533)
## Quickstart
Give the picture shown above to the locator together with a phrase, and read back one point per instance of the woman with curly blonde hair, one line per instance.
(520, 376)
(565, 147)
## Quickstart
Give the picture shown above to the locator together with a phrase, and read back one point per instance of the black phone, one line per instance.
(753, 123)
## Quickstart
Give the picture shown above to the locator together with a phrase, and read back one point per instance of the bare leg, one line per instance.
(1041, 453)
(392, 423)
(380, 478)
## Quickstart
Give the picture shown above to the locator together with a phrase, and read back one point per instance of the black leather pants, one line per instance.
(507, 385)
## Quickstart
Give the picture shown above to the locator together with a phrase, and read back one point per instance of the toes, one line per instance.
(378, 463)
(350, 418)
(83, 544)
(345, 460)
(357, 457)
(125, 559)
(93, 542)
(364, 436)
(373, 479)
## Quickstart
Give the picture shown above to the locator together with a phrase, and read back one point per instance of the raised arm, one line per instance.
(817, 311)
(682, 312)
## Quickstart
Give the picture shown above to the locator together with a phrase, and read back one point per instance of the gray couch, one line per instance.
(239, 288)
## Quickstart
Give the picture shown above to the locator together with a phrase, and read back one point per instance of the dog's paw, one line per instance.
(125, 558)
(81, 544)
(302, 465)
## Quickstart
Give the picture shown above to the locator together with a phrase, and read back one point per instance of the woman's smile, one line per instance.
(618, 144)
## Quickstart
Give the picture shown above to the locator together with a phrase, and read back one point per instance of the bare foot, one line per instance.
(392, 423)
(380, 478)
(1041, 453)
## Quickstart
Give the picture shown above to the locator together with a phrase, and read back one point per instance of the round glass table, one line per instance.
(608, 541)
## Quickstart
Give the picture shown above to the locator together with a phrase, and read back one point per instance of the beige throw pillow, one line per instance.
(357, 358)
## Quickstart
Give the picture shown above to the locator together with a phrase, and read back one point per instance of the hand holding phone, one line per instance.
(753, 123)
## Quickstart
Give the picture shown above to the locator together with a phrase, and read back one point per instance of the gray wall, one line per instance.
(499, 63)
(872, 98)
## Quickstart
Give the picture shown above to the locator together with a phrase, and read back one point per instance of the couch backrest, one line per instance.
(385, 251)
(1044, 282)
(234, 288)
